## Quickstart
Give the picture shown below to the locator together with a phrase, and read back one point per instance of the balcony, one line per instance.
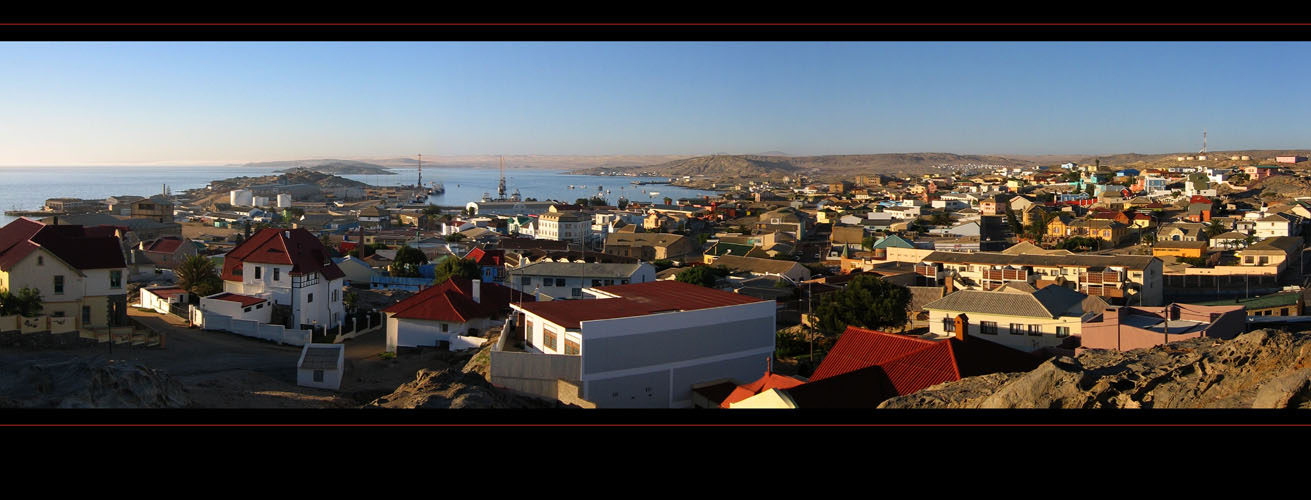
(1102, 277)
(1006, 275)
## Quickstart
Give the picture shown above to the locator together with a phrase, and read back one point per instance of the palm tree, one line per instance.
(198, 276)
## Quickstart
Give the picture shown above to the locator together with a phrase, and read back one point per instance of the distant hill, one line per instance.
(820, 167)
(327, 166)
(1214, 158)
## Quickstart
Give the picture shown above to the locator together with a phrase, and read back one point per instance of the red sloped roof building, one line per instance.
(289, 267)
(456, 307)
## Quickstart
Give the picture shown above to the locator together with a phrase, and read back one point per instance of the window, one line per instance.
(596, 282)
(310, 299)
(277, 272)
(548, 339)
(528, 329)
(318, 375)
(988, 327)
(446, 327)
(1017, 329)
(258, 271)
(525, 281)
(334, 295)
(40, 260)
(59, 285)
(86, 314)
(570, 347)
(1284, 312)
(559, 282)
(116, 279)
(260, 306)
(1035, 330)
(948, 325)
(577, 292)
(246, 309)
(1062, 331)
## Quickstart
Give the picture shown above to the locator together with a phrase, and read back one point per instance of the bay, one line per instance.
(27, 188)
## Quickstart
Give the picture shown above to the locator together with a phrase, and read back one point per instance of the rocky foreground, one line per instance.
(88, 384)
(1260, 369)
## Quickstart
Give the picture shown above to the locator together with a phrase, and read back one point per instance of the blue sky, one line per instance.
(127, 103)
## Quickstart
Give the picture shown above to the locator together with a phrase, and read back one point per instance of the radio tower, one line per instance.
(500, 190)
(420, 170)
(1203, 141)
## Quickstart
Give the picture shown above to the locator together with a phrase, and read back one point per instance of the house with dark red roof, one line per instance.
(288, 267)
(866, 367)
(168, 252)
(640, 345)
(79, 271)
(491, 263)
(456, 307)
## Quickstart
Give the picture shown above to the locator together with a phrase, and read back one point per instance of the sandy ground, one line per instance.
(225, 370)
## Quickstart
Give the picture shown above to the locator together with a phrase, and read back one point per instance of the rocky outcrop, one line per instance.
(88, 384)
(1260, 369)
(451, 388)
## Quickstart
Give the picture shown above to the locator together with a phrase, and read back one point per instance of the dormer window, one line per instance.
(40, 260)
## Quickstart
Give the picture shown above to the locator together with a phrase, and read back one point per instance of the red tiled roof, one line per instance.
(486, 257)
(165, 245)
(296, 247)
(73, 244)
(873, 366)
(244, 300)
(452, 301)
(769, 381)
(859, 348)
(636, 299)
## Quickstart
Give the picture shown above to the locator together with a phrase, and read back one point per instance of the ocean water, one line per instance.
(27, 188)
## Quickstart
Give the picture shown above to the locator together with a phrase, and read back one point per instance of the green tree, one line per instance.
(706, 276)
(198, 275)
(408, 260)
(350, 300)
(432, 210)
(662, 264)
(293, 213)
(454, 237)
(1214, 229)
(867, 301)
(669, 201)
(941, 219)
(27, 302)
(453, 266)
(622, 203)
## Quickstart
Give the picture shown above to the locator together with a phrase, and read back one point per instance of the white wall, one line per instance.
(1023, 342)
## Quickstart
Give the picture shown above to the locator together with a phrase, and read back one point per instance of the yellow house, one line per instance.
(79, 272)
(1179, 249)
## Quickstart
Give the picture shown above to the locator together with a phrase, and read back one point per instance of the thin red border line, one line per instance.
(654, 425)
(655, 24)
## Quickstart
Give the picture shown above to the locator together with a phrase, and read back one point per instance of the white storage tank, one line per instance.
(240, 197)
(260, 201)
(284, 200)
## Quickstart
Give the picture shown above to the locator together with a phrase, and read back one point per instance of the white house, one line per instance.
(563, 226)
(160, 298)
(641, 345)
(458, 307)
(288, 267)
(321, 366)
(237, 306)
(1015, 318)
(568, 279)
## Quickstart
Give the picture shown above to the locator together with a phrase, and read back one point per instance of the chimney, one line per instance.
(949, 286)
(477, 290)
(962, 326)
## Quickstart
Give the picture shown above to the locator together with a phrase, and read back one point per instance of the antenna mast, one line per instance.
(420, 170)
(500, 190)
(1203, 141)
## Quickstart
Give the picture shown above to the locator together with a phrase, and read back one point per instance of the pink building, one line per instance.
(1128, 328)
(1289, 159)
(1258, 172)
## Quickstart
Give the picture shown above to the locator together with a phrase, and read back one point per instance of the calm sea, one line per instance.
(27, 188)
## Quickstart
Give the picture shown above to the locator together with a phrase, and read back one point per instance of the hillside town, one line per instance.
(794, 293)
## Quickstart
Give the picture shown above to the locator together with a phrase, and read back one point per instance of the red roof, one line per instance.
(295, 247)
(167, 244)
(769, 381)
(75, 245)
(244, 300)
(859, 348)
(452, 301)
(486, 257)
(166, 291)
(866, 367)
(637, 299)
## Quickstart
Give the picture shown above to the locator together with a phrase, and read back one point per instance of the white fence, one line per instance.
(460, 342)
(275, 333)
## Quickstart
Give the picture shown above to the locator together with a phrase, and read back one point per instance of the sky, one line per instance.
(225, 102)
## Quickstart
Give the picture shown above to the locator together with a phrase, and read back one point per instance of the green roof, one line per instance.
(893, 241)
(1262, 302)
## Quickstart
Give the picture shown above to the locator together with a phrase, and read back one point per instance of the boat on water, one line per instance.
(653, 193)
(437, 188)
